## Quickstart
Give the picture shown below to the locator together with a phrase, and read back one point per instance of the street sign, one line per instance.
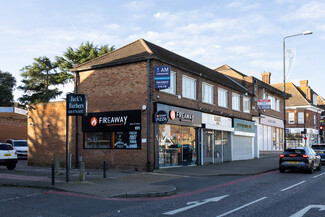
(162, 77)
(264, 104)
(76, 104)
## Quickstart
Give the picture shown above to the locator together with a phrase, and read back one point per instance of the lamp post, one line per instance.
(284, 85)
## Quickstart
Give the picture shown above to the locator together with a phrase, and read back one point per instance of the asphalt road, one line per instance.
(270, 194)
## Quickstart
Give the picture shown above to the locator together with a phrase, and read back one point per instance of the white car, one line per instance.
(20, 146)
(8, 156)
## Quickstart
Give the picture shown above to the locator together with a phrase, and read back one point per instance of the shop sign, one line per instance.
(76, 104)
(112, 121)
(216, 120)
(182, 116)
(269, 121)
(162, 77)
(161, 117)
(263, 104)
(177, 115)
(244, 126)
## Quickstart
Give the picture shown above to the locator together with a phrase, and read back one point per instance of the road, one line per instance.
(292, 194)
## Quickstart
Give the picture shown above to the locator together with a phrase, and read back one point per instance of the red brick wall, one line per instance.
(12, 129)
(47, 136)
(308, 118)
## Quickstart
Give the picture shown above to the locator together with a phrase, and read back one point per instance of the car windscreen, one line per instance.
(318, 147)
(6, 147)
(294, 151)
(20, 143)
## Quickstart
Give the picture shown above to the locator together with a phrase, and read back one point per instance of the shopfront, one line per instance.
(177, 139)
(243, 139)
(296, 137)
(216, 139)
(112, 130)
(270, 134)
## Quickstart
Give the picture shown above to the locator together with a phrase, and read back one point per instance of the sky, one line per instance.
(247, 35)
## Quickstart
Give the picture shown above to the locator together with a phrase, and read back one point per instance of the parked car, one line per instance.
(8, 156)
(20, 146)
(303, 158)
(320, 149)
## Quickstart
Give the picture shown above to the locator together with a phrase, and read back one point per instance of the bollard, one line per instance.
(53, 174)
(104, 169)
(57, 166)
(82, 172)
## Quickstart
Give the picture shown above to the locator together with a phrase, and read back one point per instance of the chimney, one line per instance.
(303, 83)
(306, 89)
(266, 77)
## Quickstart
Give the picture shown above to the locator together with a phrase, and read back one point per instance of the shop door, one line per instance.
(208, 148)
(218, 147)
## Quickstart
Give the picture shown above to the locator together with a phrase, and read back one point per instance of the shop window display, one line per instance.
(177, 145)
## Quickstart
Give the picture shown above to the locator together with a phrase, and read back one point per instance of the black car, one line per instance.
(320, 149)
(303, 158)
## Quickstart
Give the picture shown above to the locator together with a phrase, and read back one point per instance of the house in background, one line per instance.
(269, 122)
(303, 114)
(13, 123)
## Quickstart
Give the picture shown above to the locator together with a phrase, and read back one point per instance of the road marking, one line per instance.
(319, 175)
(306, 209)
(293, 186)
(193, 204)
(15, 198)
(241, 207)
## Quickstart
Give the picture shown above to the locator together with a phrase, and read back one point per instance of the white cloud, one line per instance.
(242, 5)
(309, 11)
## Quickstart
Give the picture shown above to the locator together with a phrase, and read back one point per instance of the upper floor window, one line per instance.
(314, 99)
(315, 120)
(172, 88)
(189, 87)
(246, 105)
(207, 93)
(291, 117)
(277, 105)
(300, 117)
(235, 102)
(222, 97)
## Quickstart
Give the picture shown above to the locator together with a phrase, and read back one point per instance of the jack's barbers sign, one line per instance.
(112, 121)
(76, 104)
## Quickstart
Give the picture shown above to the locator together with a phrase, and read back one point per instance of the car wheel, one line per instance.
(319, 168)
(11, 166)
(311, 169)
(282, 170)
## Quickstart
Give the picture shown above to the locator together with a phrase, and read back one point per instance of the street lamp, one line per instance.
(284, 85)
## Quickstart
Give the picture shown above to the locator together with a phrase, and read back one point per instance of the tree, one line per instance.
(84, 53)
(38, 78)
(7, 84)
(43, 74)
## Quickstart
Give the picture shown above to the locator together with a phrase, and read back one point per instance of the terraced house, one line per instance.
(193, 120)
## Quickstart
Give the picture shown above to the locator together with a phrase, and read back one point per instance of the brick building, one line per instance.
(13, 123)
(133, 124)
(269, 122)
(303, 114)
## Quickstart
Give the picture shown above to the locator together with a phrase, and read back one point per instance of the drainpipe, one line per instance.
(148, 119)
(76, 92)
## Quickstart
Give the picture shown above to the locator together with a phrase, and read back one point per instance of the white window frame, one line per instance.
(301, 117)
(207, 93)
(222, 97)
(315, 99)
(315, 120)
(278, 105)
(246, 105)
(172, 88)
(188, 87)
(291, 118)
(235, 99)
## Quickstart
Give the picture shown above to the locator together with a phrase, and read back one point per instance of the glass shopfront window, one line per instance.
(177, 145)
(115, 140)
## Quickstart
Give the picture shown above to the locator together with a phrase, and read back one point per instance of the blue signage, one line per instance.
(244, 126)
(162, 77)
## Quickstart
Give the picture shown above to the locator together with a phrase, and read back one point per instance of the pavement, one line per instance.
(129, 184)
